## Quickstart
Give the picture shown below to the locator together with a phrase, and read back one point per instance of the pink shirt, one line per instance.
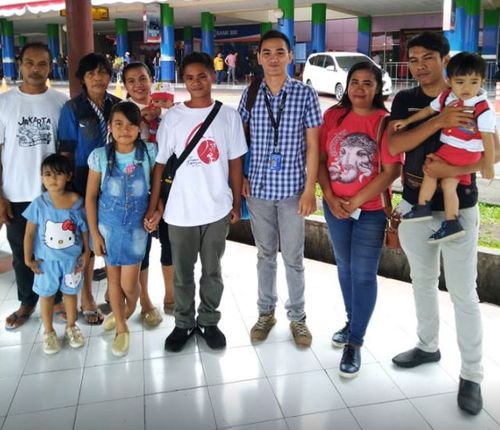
(230, 60)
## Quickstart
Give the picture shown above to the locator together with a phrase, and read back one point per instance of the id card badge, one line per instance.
(275, 162)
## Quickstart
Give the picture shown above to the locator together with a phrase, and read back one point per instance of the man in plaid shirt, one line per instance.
(284, 148)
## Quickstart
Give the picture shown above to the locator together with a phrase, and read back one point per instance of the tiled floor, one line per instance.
(271, 386)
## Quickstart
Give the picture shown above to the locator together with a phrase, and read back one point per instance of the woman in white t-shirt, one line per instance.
(138, 81)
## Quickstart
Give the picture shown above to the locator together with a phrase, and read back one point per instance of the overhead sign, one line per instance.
(152, 23)
(449, 7)
(99, 13)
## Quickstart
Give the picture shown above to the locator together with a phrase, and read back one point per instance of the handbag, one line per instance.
(173, 163)
(391, 236)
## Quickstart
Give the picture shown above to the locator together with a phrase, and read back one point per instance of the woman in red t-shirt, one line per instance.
(354, 171)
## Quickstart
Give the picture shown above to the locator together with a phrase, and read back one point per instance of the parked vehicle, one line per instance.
(327, 72)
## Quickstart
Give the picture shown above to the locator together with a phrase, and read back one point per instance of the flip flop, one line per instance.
(93, 317)
(18, 319)
(60, 317)
(105, 308)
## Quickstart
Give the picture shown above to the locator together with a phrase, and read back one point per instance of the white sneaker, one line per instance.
(74, 337)
(51, 343)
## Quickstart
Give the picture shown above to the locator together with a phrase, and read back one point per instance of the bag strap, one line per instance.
(386, 200)
(199, 134)
(253, 90)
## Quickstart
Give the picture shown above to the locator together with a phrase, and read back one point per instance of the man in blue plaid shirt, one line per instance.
(284, 160)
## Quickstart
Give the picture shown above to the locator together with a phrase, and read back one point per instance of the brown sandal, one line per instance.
(18, 318)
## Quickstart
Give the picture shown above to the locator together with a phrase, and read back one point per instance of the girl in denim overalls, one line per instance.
(116, 202)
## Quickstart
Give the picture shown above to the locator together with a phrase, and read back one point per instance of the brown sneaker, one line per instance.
(301, 333)
(262, 327)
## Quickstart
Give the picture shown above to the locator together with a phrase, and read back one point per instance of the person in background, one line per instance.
(56, 248)
(219, 68)
(280, 189)
(355, 173)
(204, 199)
(428, 55)
(119, 178)
(138, 84)
(29, 118)
(82, 128)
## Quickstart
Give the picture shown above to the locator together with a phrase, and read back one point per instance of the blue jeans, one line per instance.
(357, 245)
(276, 223)
(218, 76)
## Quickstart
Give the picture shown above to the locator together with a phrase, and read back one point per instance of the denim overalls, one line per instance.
(123, 202)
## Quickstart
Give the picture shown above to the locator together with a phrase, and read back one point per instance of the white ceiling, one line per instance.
(187, 12)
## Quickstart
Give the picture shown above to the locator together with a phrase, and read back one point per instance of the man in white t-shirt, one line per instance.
(202, 203)
(29, 116)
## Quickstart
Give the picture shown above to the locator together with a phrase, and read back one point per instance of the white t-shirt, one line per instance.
(200, 192)
(28, 132)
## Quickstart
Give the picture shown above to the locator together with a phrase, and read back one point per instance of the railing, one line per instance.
(401, 77)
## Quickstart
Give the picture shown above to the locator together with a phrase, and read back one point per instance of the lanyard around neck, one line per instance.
(275, 122)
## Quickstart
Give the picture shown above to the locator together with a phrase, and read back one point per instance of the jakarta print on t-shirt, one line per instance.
(33, 131)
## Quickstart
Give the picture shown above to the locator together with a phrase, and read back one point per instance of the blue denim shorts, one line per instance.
(58, 275)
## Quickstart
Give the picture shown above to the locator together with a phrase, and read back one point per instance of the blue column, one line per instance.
(9, 68)
(286, 26)
(490, 32)
(318, 29)
(188, 40)
(167, 46)
(207, 33)
(472, 10)
(121, 36)
(456, 36)
(364, 34)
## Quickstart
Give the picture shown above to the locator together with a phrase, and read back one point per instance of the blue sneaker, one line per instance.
(418, 213)
(341, 337)
(449, 230)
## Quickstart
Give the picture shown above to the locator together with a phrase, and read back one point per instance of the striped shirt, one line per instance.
(301, 111)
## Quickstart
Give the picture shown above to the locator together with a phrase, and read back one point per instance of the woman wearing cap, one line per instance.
(138, 83)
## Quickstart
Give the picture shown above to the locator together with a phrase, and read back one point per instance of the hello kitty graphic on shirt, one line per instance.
(60, 235)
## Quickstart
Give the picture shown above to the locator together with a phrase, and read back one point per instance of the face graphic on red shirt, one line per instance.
(353, 158)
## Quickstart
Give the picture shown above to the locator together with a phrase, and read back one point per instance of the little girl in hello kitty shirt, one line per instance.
(56, 247)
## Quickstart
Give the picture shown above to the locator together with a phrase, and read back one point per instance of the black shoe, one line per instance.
(178, 338)
(415, 357)
(350, 362)
(341, 337)
(469, 397)
(214, 338)
(99, 274)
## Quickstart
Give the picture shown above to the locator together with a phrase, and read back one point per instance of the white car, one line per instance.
(327, 72)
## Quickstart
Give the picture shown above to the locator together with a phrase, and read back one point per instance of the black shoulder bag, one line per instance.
(173, 163)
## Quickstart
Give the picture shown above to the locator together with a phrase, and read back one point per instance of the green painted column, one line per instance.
(9, 68)
(53, 44)
(207, 33)
(121, 25)
(167, 44)
(287, 27)
(22, 41)
(265, 27)
(364, 34)
(490, 32)
(472, 13)
(318, 27)
(188, 40)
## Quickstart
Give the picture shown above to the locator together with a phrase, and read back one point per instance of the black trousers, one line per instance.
(24, 275)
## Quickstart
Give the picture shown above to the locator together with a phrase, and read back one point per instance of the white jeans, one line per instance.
(460, 269)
